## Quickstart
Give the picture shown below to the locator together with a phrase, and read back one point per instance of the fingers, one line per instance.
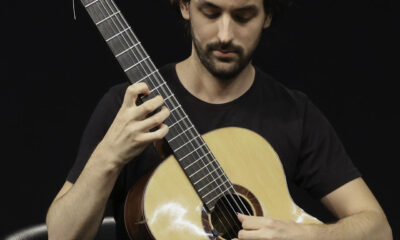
(250, 235)
(253, 222)
(156, 135)
(148, 107)
(255, 227)
(139, 114)
(155, 120)
(132, 93)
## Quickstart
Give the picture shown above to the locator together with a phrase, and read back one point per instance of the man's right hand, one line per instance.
(129, 133)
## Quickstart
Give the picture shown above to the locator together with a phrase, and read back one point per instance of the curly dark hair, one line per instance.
(273, 7)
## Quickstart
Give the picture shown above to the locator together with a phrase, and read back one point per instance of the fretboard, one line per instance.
(189, 148)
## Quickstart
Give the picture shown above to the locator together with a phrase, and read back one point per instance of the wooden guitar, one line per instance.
(196, 192)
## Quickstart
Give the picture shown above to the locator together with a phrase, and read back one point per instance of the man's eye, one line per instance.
(211, 15)
(241, 19)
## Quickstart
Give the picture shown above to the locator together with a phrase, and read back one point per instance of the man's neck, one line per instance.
(205, 86)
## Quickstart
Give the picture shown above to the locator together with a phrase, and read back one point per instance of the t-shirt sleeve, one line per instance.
(99, 122)
(323, 163)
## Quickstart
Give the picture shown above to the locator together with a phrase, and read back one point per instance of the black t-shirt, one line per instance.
(311, 153)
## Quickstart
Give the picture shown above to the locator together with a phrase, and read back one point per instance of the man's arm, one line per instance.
(360, 218)
(359, 213)
(78, 208)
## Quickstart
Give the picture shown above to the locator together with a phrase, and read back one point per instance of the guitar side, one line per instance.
(169, 207)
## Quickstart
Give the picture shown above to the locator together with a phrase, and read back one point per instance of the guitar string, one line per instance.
(162, 88)
(73, 9)
(146, 74)
(128, 43)
(136, 57)
(208, 150)
(150, 78)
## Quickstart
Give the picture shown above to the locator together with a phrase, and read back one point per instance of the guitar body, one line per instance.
(197, 195)
(164, 204)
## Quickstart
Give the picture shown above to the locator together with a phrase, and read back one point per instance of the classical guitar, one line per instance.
(196, 192)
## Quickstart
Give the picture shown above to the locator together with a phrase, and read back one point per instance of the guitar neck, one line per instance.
(188, 146)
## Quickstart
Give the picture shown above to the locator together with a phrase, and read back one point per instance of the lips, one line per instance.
(224, 54)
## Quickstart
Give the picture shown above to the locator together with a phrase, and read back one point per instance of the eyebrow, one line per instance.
(250, 8)
(205, 4)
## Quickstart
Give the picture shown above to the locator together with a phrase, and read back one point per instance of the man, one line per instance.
(217, 81)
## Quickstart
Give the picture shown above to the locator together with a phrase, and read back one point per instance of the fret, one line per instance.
(218, 195)
(167, 98)
(129, 59)
(111, 26)
(150, 84)
(136, 73)
(119, 44)
(217, 187)
(148, 75)
(208, 184)
(196, 161)
(177, 149)
(191, 175)
(105, 19)
(180, 134)
(173, 101)
(155, 89)
(178, 122)
(181, 159)
(207, 175)
(210, 165)
(115, 35)
(126, 50)
(89, 4)
(183, 137)
(178, 108)
(134, 65)
(172, 110)
(212, 174)
(168, 102)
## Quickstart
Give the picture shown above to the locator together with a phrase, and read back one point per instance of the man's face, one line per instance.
(225, 33)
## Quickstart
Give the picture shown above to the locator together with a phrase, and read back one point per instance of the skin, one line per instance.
(239, 25)
(360, 215)
(226, 32)
(78, 209)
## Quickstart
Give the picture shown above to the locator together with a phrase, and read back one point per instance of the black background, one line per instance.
(54, 70)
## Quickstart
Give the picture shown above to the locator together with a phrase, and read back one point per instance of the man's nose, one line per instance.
(225, 31)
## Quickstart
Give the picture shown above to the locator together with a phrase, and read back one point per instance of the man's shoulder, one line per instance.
(277, 91)
(118, 88)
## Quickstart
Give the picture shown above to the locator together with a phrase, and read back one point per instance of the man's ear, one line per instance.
(267, 21)
(184, 6)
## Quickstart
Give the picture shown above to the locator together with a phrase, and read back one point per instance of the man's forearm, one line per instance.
(368, 225)
(79, 212)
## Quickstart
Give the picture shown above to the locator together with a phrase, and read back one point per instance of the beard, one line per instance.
(210, 61)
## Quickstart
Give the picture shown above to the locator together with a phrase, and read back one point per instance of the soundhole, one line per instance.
(224, 216)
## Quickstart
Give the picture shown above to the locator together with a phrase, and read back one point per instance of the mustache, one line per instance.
(225, 47)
